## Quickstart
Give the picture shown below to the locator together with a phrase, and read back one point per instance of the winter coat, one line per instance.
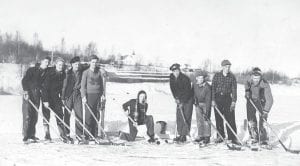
(72, 83)
(261, 92)
(181, 87)
(34, 78)
(202, 94)
(133, 107)
(53, 84)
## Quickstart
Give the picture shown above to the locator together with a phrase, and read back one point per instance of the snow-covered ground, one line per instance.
(284, 118)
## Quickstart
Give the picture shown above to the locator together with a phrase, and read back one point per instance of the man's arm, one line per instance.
(269, 98)
(26, 79)
(234, 89)
(83, 88)
(65, 84)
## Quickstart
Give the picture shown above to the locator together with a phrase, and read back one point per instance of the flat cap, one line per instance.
(225, 62)
(175, 66)
(75, 59)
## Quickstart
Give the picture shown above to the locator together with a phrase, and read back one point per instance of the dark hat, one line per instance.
(59, 59)
(175, 66)
(200, 73)
(94, 57)
(225, 62)
(256, 71)
(75, 59)
(45, 57)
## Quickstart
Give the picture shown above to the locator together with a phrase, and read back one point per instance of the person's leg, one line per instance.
(252, 122)
(78, 113)
(132, 133)
(263, 134)
(180, 123)
(230, 117)
(92, 101)
(46, 114)
(219, 119)
(199, 122)
(150, 125)
(187, 113)
(70, 104)
(26, 118)
(56, 106)
(34, 115)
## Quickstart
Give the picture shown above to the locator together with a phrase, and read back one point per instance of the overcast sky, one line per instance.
(264, 33)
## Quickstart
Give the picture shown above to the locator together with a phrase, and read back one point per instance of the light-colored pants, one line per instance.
(202, 124)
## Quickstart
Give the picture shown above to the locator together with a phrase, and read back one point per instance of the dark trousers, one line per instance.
(90, 122)
(133, 130)
(185, 112)
(55, 104)
(30, 115)
(252, 122)
(223, 103)
(74, 102)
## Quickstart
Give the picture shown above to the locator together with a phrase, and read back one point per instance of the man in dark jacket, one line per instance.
(136, 109)
(224, 96)
(52, 95)
(258, 90)
(182, 91)
(32, 86)
(71, 96)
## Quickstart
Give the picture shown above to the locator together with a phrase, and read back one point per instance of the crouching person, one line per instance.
(136, 110)
(202, 95)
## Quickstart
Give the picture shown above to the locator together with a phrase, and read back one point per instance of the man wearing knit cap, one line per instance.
(71, 96)
(202, 96)
(224, 96)
(258, 90)
(182, 91)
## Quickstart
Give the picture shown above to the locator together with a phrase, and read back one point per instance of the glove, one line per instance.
(213, 104)
(247, 95)
(84, 100)
(264, 114)
(46, 104)
(25, 95)
(232, 106)
(177, 101)
(103, 99)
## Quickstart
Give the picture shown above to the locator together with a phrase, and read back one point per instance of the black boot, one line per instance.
(199, 139)
(47, 133)
(151, 140)
(219, 140)
(177, 139)
(206, 140)
(182, 139)
(70, 140)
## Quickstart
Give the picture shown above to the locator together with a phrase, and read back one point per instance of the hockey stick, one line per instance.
(48, 123)
(78, 138)
(81, 124)
(105, 135)
(228, 125)
(209, 121)
(281, 143)
(134, 123)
